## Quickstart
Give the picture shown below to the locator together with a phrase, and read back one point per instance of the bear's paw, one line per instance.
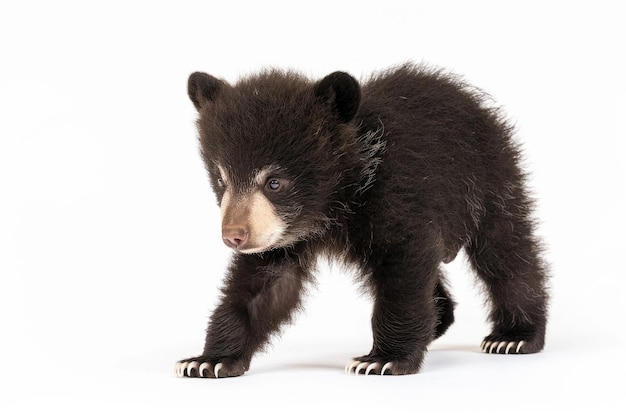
(200, 367)
(367, 368)
(503, 347)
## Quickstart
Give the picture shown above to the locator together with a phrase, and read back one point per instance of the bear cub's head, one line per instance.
(282, 154)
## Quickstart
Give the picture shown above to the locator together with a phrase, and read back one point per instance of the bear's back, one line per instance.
(446, 150)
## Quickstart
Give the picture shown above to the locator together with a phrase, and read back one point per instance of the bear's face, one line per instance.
(257, 213)
(271, 145)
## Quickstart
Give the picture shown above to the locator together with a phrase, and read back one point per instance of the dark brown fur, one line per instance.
(396, 176)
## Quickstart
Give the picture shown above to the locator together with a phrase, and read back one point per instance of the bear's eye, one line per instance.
(273, 184)
(220, 182)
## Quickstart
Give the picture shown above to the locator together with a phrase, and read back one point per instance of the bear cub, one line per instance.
(394, 175)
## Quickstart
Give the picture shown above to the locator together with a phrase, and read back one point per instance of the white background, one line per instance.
(110, 254)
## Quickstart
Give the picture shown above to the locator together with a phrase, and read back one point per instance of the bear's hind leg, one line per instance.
(506, 257)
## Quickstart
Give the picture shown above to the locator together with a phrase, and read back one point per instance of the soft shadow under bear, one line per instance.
(395, 175)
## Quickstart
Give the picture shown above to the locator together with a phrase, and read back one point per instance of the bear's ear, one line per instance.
(203, 88)
(341, 91)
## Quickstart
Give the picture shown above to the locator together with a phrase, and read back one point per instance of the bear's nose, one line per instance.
(234, 236)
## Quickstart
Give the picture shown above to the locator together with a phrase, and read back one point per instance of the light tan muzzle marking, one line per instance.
(249, 222)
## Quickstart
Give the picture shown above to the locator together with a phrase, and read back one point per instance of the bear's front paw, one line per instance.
(203, 367)
(366, 368)
(374, 365)
(512, 343)
(502, 346)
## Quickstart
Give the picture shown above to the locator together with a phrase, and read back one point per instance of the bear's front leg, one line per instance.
(404, 318)
(259, 295)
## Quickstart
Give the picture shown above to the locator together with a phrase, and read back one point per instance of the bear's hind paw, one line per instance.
(365, 368)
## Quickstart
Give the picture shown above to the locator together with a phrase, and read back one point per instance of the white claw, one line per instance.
(361, 366)
(519, 346)
(180, 368)
(192, 365)
(500, 345)
(485, 348)
(508, 347)
(387, 366)
(482, 345)
(202, 368)
(216, 370)
(372, 367)
(493, 346)
(350, 366)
